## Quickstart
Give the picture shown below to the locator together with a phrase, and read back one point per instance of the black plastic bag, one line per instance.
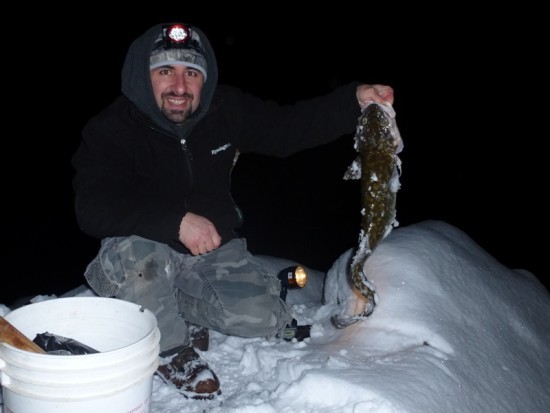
(55, 344)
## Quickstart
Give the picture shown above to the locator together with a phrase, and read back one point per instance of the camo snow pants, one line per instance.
(227, 290)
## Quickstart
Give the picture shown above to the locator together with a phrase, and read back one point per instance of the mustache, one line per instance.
(186, 95)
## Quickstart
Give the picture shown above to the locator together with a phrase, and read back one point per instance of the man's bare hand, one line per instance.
(374, 93)
(198, 234)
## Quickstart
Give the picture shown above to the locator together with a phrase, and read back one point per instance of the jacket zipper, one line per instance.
(186, 149)
(188, 160)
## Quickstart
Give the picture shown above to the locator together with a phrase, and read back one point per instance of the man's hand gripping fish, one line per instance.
(378, 141)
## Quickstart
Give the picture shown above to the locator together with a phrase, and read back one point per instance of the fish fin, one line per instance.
(342, 321)
(354, 170)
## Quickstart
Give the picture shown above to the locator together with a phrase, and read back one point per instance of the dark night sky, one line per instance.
(466, 89)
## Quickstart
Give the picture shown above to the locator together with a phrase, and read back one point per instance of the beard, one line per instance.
(177, 115)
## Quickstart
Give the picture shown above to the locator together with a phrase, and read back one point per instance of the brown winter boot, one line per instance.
(183, 369)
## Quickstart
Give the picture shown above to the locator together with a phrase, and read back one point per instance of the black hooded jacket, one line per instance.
(137, 173)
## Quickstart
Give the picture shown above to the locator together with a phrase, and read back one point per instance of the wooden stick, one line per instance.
(11, 335)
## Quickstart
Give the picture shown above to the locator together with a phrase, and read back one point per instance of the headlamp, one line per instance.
(175, 36)
(178, 36)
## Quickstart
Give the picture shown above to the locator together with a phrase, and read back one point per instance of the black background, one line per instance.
(467, 82)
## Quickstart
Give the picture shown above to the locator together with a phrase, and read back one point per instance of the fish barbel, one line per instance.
(377, 141)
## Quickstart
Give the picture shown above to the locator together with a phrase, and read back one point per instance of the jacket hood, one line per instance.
(137, 87)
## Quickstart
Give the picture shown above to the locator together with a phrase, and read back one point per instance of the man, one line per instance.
(153, 182)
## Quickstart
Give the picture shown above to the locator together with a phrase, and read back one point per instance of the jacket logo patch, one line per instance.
(221, 148)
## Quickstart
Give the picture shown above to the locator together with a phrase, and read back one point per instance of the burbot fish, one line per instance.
(377, 141)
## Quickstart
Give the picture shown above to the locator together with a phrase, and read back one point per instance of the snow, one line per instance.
(453, 331)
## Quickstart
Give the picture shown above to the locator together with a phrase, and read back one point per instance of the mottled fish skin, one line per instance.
(378, 141)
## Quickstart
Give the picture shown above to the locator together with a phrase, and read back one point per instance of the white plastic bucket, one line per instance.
(118, 379)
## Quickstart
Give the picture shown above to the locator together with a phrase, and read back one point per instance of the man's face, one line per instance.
(177, 90)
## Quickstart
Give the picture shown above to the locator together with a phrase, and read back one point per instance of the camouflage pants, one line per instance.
(228, 289)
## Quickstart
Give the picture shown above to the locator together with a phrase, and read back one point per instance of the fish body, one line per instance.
(377, 141)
